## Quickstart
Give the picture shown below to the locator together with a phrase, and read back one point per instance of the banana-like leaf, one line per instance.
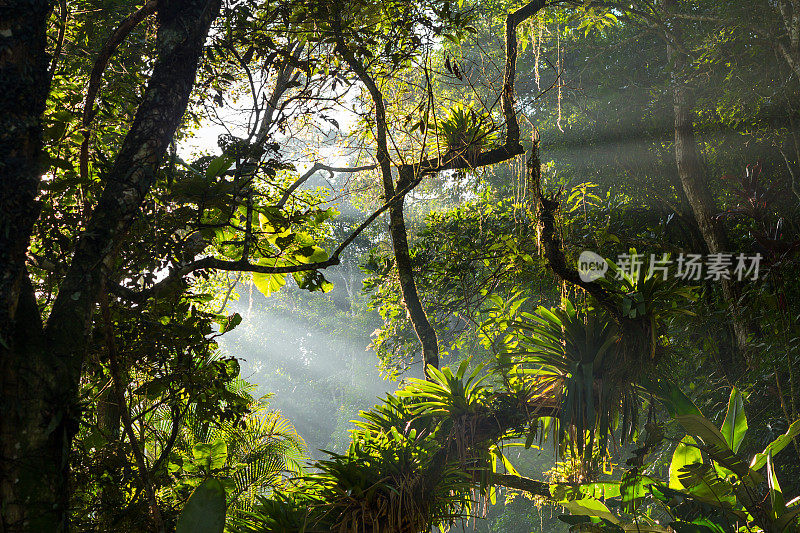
(777, 503)
(702, 428)
(789, 518)
(760, 459)
(686, 453)
(735, 425)
(590, 507)
(205, 510)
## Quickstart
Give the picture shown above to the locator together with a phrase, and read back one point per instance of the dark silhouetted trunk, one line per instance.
(24, 85)
(695, 186)
(42, 368)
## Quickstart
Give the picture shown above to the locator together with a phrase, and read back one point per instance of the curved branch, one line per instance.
(108, 49)
(409, 173)
(545, 209)
(213, 263)
(419, 319)
(181, 36)
(63, 15)
(311, 171)
(531, 486)
(511, 146)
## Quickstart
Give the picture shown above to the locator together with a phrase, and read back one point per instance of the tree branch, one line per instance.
(181, 35)
(531, 486)
(108, 49)
(213, 263)
(545, 209)
(511, 146)
(314, 169)
(63, 15)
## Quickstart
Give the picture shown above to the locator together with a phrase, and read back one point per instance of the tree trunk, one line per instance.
(24, 85)
(419, 318)
(397, 225)
(693, 181)
(41, 373)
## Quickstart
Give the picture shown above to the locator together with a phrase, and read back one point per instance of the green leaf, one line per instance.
(687, 527)
(211, 455)
(735, 425)
(671, 396)
(205, 510)
(633, 489)
(507, 464)
(230, 322)
(686, 453)
(787, 518)
(590, 507)
(760, 459)
(702, 428)
(268, 283)
(218, 166)
(777, 503)
(219, 454)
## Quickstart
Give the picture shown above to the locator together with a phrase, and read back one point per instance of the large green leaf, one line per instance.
(205, 510)
(686, 453)
(590, 507)
(633, 489)
(212, 455)
(735, 425)
(671, 396)
(218, 165)
(786, 519)
(760, 459)
(700, 427)
(715, 445)
(269, 283)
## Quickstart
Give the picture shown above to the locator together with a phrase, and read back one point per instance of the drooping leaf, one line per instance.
(205, 510)
(218, 165)
(760, 459)
(776, 500)
(590, 507)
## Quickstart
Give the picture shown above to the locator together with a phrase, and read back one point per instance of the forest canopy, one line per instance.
(563, 229)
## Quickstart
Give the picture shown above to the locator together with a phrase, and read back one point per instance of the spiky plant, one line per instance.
(412, 464)
(465, 132)
(569, 354)
(253, 456)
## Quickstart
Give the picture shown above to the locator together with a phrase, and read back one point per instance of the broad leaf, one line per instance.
(760, 459)
(686, 453)
(777, 503)
(590, 507)
(205, 510)
(218, 166)
(735, 425)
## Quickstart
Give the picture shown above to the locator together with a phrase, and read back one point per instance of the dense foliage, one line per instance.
(426, 174)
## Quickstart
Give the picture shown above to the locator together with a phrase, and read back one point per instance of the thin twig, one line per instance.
(144, 473)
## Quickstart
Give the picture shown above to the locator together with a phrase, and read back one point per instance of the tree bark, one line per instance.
(692, 178)
(41, 373)
(409, 174)
(397, 226)
(24, 85)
